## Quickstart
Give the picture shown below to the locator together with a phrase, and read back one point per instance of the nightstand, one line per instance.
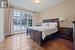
(66, 33)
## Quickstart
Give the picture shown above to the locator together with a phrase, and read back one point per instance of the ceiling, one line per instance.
(29, 4)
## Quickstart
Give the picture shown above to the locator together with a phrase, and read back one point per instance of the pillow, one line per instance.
(45, 24)
(53, 24)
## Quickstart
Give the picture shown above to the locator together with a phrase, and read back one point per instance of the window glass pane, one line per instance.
(16, 23)
(30, 22)
(15, 13)
(30, 16)
(25, 14)
(18, 14)
(22, 15)
(24, 22)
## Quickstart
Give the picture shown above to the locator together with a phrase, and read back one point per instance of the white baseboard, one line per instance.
(1, 38)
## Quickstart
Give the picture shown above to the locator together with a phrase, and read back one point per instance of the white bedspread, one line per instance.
(45, 30)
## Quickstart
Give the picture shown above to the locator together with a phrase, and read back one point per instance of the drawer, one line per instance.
(66, 33)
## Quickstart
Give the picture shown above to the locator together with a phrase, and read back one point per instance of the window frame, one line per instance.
(22, 15)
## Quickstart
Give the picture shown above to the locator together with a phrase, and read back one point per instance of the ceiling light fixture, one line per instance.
(37, 1)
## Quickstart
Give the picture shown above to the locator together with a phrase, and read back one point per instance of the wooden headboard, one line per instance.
(52, 20)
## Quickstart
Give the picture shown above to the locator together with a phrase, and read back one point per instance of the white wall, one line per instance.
(1, 24)
(36, 18)
(65, 9)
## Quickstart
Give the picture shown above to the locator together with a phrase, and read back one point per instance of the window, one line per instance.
(21, 20)
(16, 14)
(29, 22)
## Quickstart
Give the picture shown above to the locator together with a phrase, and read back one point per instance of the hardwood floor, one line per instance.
(22, 42)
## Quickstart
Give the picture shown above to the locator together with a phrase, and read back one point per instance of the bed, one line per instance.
(42, 33)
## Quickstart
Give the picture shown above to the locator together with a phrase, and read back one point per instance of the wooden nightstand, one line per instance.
(66, 33)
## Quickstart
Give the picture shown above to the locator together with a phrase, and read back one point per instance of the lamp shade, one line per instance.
(62, 18)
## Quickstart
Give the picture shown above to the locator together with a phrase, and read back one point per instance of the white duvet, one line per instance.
(45, 30)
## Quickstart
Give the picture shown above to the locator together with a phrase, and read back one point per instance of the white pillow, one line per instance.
(45, 24)
(53, 24)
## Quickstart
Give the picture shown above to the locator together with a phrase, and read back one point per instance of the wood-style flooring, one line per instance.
(23, 42)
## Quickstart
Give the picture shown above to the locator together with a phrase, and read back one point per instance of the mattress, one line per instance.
(45, 30)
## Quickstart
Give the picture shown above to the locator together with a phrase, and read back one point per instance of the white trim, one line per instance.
(2, 24)
(1, 38)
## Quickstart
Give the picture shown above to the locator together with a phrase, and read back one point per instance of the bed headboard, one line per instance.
(52, 20)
